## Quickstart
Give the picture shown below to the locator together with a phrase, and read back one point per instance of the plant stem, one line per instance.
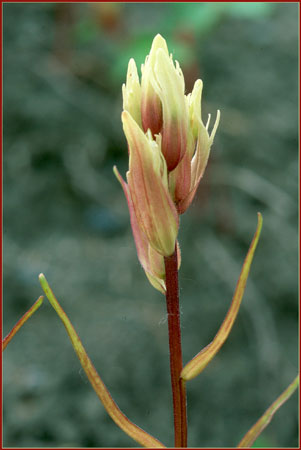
(175, 350)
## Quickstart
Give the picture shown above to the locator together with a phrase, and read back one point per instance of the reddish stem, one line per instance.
(175, 350)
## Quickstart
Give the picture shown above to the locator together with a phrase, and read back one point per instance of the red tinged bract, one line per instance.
(148, 185)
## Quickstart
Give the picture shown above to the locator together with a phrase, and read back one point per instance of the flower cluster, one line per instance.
(169, 146)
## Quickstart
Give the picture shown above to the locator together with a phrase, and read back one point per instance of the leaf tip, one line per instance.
(259, 216)
(184, 375)
(43, 282)
(259, 226)
(40, 300)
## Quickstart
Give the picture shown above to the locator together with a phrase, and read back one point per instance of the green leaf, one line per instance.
(263, 442)
(102, 392)
(202, 359)
(266, 418)
(21, 322)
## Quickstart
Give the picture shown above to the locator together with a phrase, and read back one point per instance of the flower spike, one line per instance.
(169, 146)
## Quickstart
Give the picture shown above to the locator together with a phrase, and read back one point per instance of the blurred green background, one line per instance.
(65, 215)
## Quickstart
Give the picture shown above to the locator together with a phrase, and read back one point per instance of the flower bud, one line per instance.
(151, 107)
(168, 82)
(198, 150)
(131, 92)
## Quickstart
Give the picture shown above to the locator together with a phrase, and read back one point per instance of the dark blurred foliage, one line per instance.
(65, 215)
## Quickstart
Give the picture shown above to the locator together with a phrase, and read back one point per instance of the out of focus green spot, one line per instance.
(263, 442)
(252, 10)
(86, 31)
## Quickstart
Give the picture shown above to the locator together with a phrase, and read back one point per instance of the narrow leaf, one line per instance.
(200, 361)
(103, 394)
(266, 418)
(21, 322)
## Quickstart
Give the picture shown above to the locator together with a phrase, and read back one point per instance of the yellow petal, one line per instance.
(194, 100)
